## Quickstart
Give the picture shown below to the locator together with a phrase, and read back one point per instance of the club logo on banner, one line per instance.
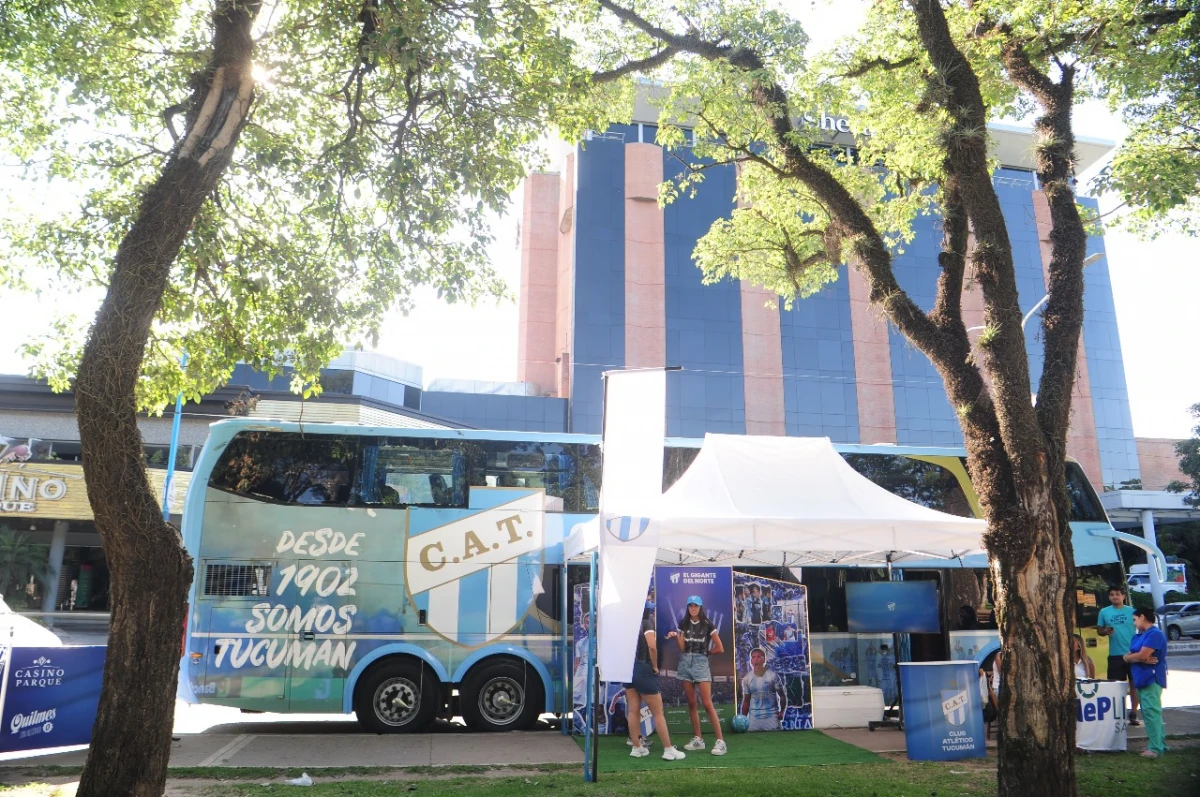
(627, 529)
(954, 707)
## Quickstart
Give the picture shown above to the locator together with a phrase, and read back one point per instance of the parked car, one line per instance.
(1140, 582)
(1180, 619)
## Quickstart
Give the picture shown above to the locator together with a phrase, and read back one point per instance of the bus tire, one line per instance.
(398, 695)
(502, 695)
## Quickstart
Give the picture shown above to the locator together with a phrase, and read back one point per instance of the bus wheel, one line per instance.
(502, 696)
(398, 696)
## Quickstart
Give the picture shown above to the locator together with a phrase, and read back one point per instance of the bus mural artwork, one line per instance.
(409, 574)
(291, 618)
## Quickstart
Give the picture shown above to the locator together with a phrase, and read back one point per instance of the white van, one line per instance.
(1176, 581)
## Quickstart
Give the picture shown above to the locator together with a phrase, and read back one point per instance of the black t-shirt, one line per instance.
(697, 635)
(643, 648)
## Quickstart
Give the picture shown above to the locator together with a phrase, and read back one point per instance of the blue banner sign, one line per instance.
(51, 697)
(943, 711)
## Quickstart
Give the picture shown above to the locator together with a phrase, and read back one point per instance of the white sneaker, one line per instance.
(639, 752)
(697, 743)
(719, 748)
(671, 754)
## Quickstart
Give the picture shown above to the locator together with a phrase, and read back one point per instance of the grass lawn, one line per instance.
(1099, 776)
(746, 751)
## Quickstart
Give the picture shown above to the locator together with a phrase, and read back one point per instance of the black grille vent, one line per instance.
(237, 581)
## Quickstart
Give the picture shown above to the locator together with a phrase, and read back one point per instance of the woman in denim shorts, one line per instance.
(697, 637)
(644, 689)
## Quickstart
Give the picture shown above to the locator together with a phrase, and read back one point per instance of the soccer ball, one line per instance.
(740, 723)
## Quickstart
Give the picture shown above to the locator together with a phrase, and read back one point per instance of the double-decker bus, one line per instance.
(406, 574)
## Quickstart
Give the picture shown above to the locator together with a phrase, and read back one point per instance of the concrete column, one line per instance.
(645, 259)
(539, 277)
(872, 365)
(58, 546)
(1156, 586)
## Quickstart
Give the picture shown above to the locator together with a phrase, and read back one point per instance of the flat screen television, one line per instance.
(900, 607)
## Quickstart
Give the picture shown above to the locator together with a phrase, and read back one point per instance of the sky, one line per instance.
(1155, 285)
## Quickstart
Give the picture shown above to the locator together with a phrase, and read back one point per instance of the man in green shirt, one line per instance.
(1116, 623)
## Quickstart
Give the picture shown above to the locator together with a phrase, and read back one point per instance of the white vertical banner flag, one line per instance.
(635, 423)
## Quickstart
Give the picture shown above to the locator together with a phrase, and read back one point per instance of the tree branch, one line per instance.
(851, 224)
(967, 164)
(640, 65)
(1062, 320)
(882, 64)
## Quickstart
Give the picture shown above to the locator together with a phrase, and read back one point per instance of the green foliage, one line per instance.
(20, 560)
(1189, 463)
(1149, 70)
(1140, 55)
(380, 143)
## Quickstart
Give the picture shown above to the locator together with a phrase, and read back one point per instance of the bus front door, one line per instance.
(241, 658)
(320, 593)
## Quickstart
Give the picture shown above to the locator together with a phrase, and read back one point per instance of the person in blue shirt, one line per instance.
(1147, 658)
(1116, 623)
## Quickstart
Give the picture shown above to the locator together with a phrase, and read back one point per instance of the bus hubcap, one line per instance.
(397, 701)
(501, 701)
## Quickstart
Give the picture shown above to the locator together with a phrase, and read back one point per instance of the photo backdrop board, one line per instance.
(714, 585)
(773, 616)
(612, 717)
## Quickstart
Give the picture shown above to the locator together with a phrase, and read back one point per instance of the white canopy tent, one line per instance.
(788, 501)
(755, 500)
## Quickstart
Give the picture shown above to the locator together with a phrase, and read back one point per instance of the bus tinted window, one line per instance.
(1084, 505)
(564, 471)
(313, 470)
(587, 461)
(400, 472)
(921, 482)
(675, 462)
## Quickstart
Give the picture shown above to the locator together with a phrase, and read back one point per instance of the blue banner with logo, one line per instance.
(52, 697)
(943, 710)
(674, 587)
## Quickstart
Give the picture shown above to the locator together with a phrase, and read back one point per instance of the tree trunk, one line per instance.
(967, 588)
(1033, 568)
(149, 569)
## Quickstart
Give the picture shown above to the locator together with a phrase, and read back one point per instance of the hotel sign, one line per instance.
(57, 491)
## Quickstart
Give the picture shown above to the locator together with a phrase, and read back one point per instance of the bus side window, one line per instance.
(549, 466)
(1084, 505)
(289, 468)
(401, 472)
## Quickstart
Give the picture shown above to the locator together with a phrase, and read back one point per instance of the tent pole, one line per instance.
(567, 648)
(590, 739)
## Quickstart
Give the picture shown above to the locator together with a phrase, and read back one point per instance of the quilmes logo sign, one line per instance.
(21, 722)
(40, 674)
